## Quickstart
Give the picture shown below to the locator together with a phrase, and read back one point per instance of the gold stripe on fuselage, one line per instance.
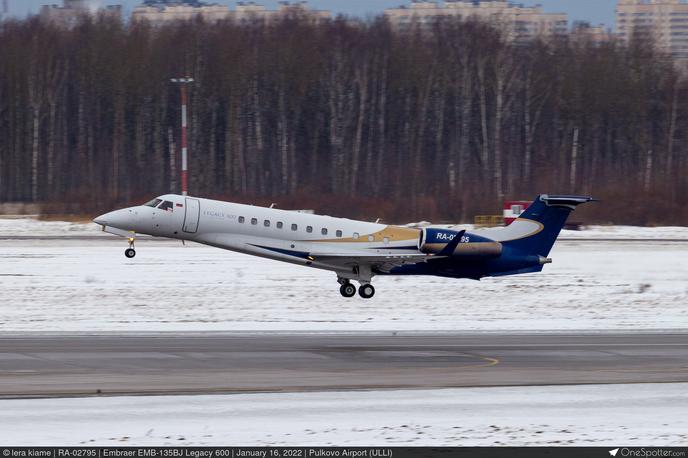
(392, 233)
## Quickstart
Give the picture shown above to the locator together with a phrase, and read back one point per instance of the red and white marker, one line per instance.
(183, 82)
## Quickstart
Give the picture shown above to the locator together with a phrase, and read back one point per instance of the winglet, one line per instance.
(451, 246)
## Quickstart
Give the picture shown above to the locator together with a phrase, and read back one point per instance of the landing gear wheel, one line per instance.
(130, 252)
(366, 291)
(347, 290)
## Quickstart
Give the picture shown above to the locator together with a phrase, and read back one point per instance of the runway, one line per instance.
(131, 364)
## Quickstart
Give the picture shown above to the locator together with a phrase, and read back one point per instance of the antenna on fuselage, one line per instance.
(272, 205)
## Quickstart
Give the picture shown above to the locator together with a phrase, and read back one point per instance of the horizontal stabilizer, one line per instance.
(565, 201)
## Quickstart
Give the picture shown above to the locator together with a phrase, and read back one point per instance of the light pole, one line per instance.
(183, 83)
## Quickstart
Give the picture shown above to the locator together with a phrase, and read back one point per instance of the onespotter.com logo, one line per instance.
(646, 453)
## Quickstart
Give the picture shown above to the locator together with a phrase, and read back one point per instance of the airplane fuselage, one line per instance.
(267, 232)
(354, 250)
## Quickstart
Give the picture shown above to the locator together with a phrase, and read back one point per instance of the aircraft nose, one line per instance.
(102, 219)
(121, 219)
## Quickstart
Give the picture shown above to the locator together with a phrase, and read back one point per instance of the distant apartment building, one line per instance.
(164, 11)
(248, 11)
(520, 22)
(666, 21)
(594, 34)
(160, 12)
(71, 11)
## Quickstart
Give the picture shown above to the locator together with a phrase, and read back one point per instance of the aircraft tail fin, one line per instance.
(542, 222)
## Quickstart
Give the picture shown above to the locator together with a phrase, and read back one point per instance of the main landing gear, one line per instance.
(347, 290)
(130, 252)
(366, 291)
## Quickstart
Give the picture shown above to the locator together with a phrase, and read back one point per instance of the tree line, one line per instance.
(346, 117)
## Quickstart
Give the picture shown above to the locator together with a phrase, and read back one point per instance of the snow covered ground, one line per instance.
(88, 285)
(91, 286)
(627, 232)
(19, 226)
(600, 415)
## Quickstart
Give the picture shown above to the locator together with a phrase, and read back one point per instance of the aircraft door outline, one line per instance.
(192, 214)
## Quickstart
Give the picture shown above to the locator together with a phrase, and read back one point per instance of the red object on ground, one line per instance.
(513, 209)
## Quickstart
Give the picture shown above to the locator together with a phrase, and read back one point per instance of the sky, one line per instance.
(594, 11)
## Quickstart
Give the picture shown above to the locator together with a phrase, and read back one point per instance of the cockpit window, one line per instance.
(153, 203)
(167, 205)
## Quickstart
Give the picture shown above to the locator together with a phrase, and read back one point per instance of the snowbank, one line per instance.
(594, 415)
(22, 227)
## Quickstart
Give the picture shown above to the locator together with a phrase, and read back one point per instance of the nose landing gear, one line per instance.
(130, 252)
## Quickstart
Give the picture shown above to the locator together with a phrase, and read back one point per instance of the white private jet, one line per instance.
(354, 250)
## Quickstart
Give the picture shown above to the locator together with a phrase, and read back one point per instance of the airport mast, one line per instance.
(183, 83)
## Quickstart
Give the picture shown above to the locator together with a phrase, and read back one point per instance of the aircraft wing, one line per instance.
(385, 262)
(378, 262)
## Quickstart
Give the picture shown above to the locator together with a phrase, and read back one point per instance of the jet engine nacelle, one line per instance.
(434, 241)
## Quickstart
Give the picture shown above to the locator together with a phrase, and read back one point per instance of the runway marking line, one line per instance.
(489, 361)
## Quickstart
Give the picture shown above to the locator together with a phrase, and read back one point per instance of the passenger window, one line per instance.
(242, 219)
(254, 221)
(309, 229)
(324, 231)
(371, 238)
(356, 236)
(280, 224)
(153, 203)
(266, 223)
(339, 233)
(167, 206)
(294, 227)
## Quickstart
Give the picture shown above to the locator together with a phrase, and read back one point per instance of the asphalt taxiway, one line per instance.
(133, 364)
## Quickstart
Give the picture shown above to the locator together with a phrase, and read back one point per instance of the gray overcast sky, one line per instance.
(594, 11)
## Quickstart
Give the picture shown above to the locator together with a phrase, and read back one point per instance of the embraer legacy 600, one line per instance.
(354, 250)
